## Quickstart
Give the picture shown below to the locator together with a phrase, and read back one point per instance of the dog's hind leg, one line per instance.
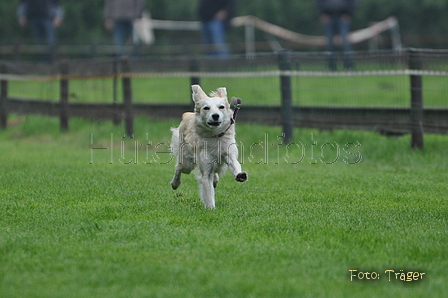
(215, 180)
(175, 183)
(180, 168)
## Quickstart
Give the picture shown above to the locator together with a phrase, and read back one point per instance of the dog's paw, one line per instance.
(241, 177)
(175, 184)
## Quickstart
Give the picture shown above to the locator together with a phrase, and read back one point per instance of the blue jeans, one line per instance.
(43, 34)
(341, 26)
(214, 33)
(43, 31)
(122, 32)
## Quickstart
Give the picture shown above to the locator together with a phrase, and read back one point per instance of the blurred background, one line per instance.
(400, 65)
(423, 23)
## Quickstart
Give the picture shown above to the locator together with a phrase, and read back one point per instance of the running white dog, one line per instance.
(206, 139)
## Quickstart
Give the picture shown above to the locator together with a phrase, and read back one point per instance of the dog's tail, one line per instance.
(174, 147)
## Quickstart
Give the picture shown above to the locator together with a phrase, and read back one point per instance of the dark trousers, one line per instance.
(334, 26)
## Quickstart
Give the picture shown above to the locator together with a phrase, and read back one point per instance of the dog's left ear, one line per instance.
(222, 92)
(198, 93)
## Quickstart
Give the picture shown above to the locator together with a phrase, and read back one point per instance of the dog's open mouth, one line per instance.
(214, 123)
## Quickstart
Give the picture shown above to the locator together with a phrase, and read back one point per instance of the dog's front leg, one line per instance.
(235, 166)
(207, 190)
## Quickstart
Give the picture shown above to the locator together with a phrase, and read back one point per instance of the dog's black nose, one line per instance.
(215, 117)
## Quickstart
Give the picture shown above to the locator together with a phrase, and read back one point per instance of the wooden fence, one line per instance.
(415, 120)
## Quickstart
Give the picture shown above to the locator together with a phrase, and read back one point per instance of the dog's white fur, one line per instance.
(195, 143)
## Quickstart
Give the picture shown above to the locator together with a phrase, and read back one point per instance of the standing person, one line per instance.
(336, 15)
(215, 17)
(119, 16)
(43, 17)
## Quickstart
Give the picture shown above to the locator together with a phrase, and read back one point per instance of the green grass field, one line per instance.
(80, 222)
(357, 91)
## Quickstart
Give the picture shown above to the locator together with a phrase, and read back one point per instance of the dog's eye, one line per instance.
(221, 107)
(206, 108)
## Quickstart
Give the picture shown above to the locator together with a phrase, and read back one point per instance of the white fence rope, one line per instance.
(239, 74)
(354, 37)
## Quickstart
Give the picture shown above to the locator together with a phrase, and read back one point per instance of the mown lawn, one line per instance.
(80, 222)
(356, 91)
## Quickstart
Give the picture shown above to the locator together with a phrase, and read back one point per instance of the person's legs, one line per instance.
(214, 33)
(37, 30)
(50, 36)
(344, 29)
(122, 32)
(206, 33)
(43, 34)
(330, 31)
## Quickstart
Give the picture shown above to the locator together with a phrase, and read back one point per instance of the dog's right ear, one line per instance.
(198, 93)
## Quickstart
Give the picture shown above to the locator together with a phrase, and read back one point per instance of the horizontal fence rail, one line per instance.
(411, 63)
(239, 74)
(387, 121)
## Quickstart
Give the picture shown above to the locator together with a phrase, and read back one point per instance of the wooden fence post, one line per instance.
(194, 67)
(116, 117)
(286, 94)
(127, 98)
(63, 100)
(416, 111)
(3, 100)
(194, 80)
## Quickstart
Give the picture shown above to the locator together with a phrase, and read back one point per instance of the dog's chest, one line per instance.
(213, 150)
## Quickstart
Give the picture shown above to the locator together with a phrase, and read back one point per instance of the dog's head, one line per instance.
(214, 111)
